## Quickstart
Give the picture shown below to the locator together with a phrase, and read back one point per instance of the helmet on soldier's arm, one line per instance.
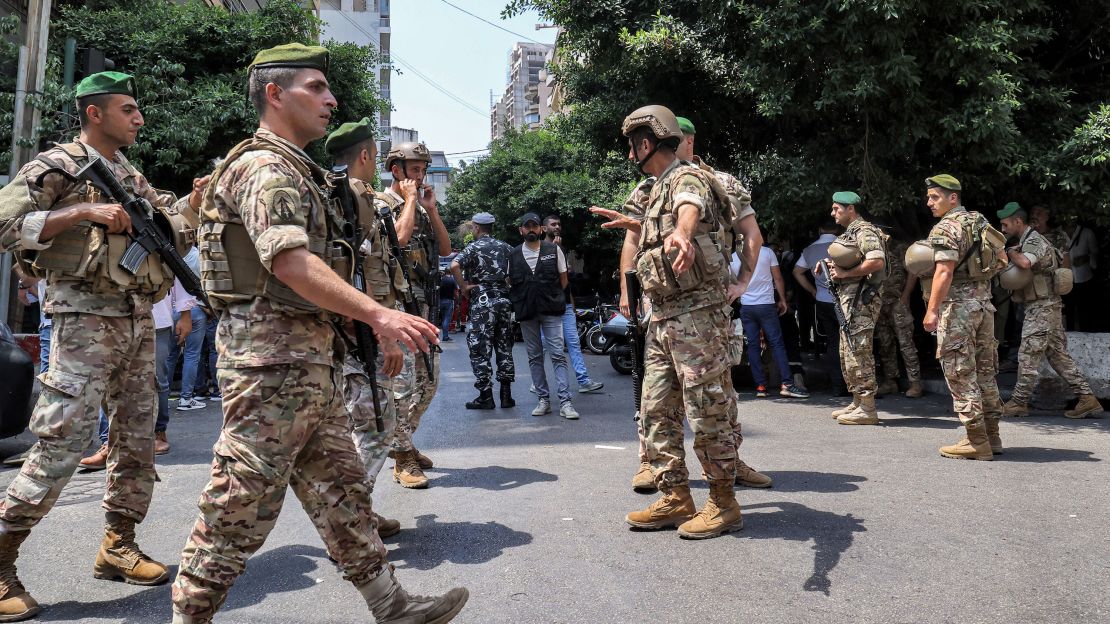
(408, 151)
(660, 119)
(845, 256)
(1014, 277)
(919, 259)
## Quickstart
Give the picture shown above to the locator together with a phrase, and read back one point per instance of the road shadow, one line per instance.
(1059, 424)
(799, 481)
(1042, 455)
(493, 478)
(832, 535)
(433, 543)
(918, 422)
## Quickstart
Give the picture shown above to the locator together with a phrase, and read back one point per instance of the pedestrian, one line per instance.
(481, 271)
(537, 283)
(191, 317)
(1042, 332)
(1080, 303)
(284, 422)
(894, 327)
(553, 228)
(817, 285)
(447, 291)
(759, 313)
(103, 336)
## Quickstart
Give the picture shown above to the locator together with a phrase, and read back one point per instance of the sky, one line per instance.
(464, 56)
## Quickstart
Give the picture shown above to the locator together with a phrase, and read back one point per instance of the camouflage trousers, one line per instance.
(686, 373)
(857, 352)
(371, 443)
(968, 354)
(894, 333)
(413, 391)
(93, 360)
(491, 330)
(1042, 335)
(284, 426)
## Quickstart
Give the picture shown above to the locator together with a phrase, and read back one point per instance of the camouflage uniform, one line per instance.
(1042, 333)
(685, 372)
(894, 330)
(103, 344)
(857, 357)
(280, 372)
(486, 264)
(966, 346)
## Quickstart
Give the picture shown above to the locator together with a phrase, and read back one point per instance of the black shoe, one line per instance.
(507, 395)
(484, 401)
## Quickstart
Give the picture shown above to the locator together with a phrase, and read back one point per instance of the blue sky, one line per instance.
(463, 55)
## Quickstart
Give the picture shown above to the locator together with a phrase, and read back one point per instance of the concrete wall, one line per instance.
(1092, 357)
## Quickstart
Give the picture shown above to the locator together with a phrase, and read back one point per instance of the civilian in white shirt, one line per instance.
(1081, 311)
(759, 312)
(818, 288)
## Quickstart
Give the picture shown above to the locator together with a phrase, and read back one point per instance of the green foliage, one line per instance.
(9, 61)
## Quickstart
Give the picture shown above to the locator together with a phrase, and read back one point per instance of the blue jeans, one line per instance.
(193, 343)
(765, 317)
(574, 346)
(207, 378)
(534, 344)
(163, 341)
(446, 307)
(45, 332)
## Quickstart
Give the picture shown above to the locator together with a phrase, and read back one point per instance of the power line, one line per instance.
(497, 26)
(476, 151)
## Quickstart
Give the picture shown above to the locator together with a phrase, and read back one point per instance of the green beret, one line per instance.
(106, 82)
(685, 125)
(846, 198)
(349, 134)
(1008, 210)
(292, 55)
(944, 181)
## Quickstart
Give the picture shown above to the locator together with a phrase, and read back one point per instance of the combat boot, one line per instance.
(975, 445)
(865, 414)
(1013, 408)
(15, 603)
(389, 602)
(484, 400)
(644, 481)
(721, 514)
(407, 472)
(993, 436)
(386, 527)
(507, 395)
(749, 477)
(1088, 405)
(889, 386)
(120, 559)
(916, 390)
(848, 409)
(423, 460)
(674, 508)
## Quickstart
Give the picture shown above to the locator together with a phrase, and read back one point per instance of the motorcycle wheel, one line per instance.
(621, 359)
(596, 341)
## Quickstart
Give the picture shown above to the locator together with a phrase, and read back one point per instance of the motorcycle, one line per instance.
(618, 343)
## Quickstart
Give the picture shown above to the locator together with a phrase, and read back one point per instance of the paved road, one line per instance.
(864, 524)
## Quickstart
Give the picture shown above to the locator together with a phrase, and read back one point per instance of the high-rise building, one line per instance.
(525, 101)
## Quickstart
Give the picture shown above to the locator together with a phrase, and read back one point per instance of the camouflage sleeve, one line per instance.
(636, 204)
(272, 209)
(465, 256)
(945, 240)
(738, 194)
(871, 244)
(690, 189)
(1036, 249)
(24, 207)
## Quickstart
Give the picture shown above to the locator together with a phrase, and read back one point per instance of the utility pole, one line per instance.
(30, 80)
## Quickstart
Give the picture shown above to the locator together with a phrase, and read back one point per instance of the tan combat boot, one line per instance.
(1088, 405)
(916, 390)
(15, 603)
(889, 386)
(1013, 408)
(423, 460)
(389, 602)
(848, 409)
(749, 477)
(674, 508)
(720, 515)
(407, 471)
(865, 414)
(975, 445)
(386, 527)
(643, 480)
(120, 559)
(993, 436)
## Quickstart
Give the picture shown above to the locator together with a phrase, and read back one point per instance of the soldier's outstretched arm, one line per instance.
(314, 280)
(616, 219)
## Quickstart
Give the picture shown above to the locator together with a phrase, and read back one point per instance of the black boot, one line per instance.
(507, 395)
(483, 401)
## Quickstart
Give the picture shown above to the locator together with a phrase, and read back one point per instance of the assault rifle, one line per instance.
(635, 336)
(365, 346)
(385, 215)
(147, 235)
(865, 293)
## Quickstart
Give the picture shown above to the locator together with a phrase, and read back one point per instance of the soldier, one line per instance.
(684, 274)
(103, 335)
(858, 258)
(352, 144)
(1042, 333)
(486, 262)
(959, 310)
(1040, 219)
(423, 239)
(894, 331)
(270, 271)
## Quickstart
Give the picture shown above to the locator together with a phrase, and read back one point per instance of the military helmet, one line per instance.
(408, 151)
(1014, 277)
(660, 119)
(920, 260)
(845, 256)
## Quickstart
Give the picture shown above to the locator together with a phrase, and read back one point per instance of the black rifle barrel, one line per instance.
(636, 335)
(385, 215)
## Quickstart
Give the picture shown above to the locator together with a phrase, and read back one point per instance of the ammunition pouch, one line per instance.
(659, 279)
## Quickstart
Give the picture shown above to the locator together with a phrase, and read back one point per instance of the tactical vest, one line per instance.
(422, 252)
(85, 252)
(850, 239)
(383, 275)
(536, 292)
(972, 266)
(231, 269)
